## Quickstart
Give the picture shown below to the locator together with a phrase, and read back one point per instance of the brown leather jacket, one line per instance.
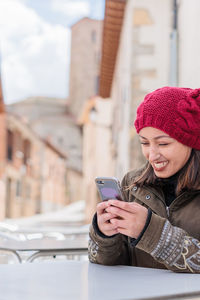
(171, 240)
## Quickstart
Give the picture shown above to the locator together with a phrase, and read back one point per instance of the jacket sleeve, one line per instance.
(171, 246)
(108, 250)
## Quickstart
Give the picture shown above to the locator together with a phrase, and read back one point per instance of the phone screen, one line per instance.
(109, 189)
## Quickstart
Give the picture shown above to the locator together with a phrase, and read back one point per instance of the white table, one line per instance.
(44, 248)
(73, 280)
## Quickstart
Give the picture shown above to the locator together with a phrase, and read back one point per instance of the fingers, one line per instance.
(123, 228)
(118, 212)
(106, 227)
(115, 216)
(101, 207)
(123, 231)
(127, 206)
(118, 223)
(103, 219)
(109, 227)
(107, 216)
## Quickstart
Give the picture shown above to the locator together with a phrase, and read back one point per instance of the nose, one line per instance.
(154, 154)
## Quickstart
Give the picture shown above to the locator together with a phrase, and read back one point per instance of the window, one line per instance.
(27, 151)
(9, 145)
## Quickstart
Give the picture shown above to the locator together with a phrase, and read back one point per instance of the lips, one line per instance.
(159, 166)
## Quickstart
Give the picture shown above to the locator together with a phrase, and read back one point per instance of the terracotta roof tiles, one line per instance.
(114, 13)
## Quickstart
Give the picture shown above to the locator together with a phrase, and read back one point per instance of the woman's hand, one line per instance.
(131, 217)
(104, 219)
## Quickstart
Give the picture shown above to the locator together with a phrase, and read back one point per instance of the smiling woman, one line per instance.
(157, 225)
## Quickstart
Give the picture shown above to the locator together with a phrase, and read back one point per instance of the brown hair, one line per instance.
(188, 179)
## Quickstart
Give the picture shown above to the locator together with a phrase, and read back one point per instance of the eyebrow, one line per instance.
(157, 137)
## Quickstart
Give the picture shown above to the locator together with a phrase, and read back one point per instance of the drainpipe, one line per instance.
(173, 76)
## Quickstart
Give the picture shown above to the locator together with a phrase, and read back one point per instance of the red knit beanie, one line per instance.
(176, 111)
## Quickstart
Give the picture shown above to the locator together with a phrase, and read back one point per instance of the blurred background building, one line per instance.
(32, 166)
(52, 120)
(86, 45)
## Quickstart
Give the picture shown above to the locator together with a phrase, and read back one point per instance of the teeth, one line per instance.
(160, 165)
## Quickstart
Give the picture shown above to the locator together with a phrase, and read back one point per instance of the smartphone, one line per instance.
(109, 188)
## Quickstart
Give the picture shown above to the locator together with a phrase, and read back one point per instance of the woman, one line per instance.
(158, 224)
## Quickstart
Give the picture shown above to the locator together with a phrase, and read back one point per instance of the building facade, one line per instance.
(34, 176)
(51, 119)
(86, 41)
(142, 65)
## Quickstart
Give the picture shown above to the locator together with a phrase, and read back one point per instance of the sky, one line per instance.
(35, 45)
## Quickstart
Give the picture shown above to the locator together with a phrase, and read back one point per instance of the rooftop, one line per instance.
(114, 14)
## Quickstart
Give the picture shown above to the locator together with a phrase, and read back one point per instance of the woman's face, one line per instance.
(166, 155)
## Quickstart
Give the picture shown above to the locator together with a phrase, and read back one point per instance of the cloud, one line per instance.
(35, 54)
(71, 8)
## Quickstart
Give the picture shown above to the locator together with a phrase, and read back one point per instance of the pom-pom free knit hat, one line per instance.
(174, 110)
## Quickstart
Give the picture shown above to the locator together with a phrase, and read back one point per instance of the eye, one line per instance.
(144, 143)
(163, 144)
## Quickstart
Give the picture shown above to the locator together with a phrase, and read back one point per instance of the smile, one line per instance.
(160, 165)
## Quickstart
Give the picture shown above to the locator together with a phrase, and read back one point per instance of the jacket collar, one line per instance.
(154, 198)
(151, 197)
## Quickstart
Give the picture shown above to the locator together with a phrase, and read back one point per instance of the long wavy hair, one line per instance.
(188, 177)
